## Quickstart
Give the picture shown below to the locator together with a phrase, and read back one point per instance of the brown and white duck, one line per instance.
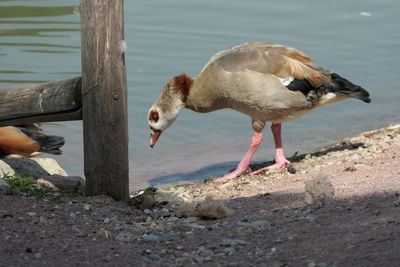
(27, 140)
(268, 82)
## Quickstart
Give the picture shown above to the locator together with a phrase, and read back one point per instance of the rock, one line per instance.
(104, 234)
(46, 170)
(5, 214)
(319, 189)
(5, 169)
(34, 167)
(197, 226)
(203, 252)
(172, 198)
(157, 238)
(147, 251)
(77, 230)
(291, 169)
(43, 182)
(147, 211)
(396, 202)
(125, 237)
(356, 156)
(64, 183)
(198, 259)
(207, 208)
(233, 243)
(154, 257)
(259, 223)
(4, 187)
(151, 238)
(38, 255)
(360, 165)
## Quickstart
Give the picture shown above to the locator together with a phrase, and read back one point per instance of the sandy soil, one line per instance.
(272, 224)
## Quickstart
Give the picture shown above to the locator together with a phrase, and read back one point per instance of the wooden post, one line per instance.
(104, 98)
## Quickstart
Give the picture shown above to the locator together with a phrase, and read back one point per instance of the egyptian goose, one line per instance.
(268, 82)
(26, 140)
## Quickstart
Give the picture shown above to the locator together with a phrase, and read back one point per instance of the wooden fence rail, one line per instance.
(99, 98)
(53, 101)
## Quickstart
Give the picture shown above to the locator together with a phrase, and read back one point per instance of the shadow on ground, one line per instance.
(280, 229)
(219, 169)
(276, 229)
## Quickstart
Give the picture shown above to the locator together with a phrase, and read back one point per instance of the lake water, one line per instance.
(40, 41)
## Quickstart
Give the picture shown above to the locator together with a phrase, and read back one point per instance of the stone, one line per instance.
(319, 189)
(73, 184)
(154, 257)
(291, 169)
(43, 182)
(46, 170)
(125, 237)
(165, 196)
(157, 238)
(5, 214)
(4, 187)
(104, 234)
(147, 251)
(34, 167)
(151, 238)
(259, 223)
(5, 169)
(233, 243)
(356, 156)
(203, 252)
(207, 208)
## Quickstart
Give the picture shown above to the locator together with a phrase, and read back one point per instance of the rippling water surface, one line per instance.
(40, 41)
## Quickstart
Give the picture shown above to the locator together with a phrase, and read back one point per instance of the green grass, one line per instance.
(26, 186)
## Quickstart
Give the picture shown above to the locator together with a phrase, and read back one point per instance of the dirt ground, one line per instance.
(271, 225)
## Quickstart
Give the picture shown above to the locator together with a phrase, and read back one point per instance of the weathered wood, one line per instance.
(53, 101)
(104, 98)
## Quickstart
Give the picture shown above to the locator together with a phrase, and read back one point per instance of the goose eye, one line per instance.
(153, 116)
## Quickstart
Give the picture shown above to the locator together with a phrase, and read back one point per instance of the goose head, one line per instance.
(164, 111)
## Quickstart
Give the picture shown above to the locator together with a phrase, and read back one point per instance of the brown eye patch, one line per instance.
(153, 116)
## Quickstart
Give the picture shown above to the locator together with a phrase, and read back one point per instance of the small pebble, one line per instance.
(154, 257)
(147, 251)
(151, 238)
(103, 234)
(147, 211)
(291, 169)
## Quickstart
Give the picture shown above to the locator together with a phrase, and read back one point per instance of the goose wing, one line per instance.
(282, 61)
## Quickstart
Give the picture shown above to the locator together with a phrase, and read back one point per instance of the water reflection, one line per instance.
(40, 44)
(7, 12)
(36, 32)
(35, 36)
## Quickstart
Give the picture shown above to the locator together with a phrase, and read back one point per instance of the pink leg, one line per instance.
(280, 160)
(244, 164)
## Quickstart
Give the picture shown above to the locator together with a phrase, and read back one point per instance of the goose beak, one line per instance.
(154, 137)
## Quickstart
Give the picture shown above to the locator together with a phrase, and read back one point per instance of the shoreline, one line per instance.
(362, 146)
